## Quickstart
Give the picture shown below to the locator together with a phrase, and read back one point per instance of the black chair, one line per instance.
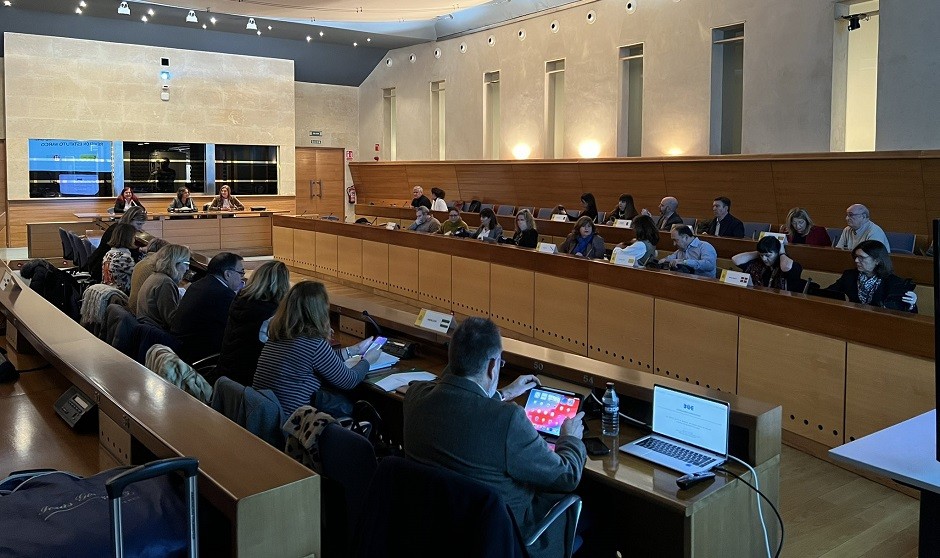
(349, 463)
(545, 213)
(67, 253)
(419, 510)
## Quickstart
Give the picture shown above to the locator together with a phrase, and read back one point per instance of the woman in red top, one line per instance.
(801, 230)
(126, 200)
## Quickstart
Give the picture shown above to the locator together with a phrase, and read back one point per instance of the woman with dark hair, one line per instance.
(298, 360)
(873, 280)
(584, 240)
(182, 201)
(770, 267)
(624, 210)
(135, 216)
(644, 247)
(118, 263)
(489, 228)
(126, 200)
(437, 200)
(590, 206)
(526, 234)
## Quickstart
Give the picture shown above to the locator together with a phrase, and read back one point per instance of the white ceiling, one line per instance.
(334, 10)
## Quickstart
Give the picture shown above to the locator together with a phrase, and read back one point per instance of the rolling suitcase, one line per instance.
(56, 514)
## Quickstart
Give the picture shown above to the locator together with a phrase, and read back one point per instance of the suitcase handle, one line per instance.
(116, 485)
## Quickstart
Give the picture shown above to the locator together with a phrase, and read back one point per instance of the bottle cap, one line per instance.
(610, 384)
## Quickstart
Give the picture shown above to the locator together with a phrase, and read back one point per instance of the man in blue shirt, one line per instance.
(692, 252)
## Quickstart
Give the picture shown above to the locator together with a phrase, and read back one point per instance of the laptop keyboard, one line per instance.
(680, 453)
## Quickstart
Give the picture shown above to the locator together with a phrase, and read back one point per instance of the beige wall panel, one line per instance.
(375, 264)
(470, 285)
(696, 345)
(884, 388)
(349, 259)
(403, 271)
(434, 278)
(246, 233)
(512, 298)
(305, 249)
(620, 327)
(561, 312)
(326, 251)
(803, 372)
(203, 234)
(283, 239)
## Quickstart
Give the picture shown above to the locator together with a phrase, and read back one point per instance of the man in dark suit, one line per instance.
(200, 320)
(461, 422)
(667, 214)
(724, 223)
(418, 198)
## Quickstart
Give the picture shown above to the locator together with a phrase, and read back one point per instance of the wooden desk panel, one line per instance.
(470, 286)
(198, 234)
(349, 259)
(248, 233)
(804, 372)
(326, 254)
(696, 345)
(561, 312)
(434, 278)
(884, 388)
(283, 241)
(305, 249)
(512, 298)
(403, 271)
(620, 329)
(375, 264)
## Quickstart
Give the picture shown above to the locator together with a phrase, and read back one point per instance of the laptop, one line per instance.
(690, 432)
(546, 408)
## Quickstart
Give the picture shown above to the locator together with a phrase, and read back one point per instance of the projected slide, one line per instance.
(70, 167)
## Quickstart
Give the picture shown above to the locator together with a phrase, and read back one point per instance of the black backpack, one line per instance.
(475, 206)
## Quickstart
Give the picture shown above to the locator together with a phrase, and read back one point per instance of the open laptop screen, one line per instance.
(692, 419)
(548, 408)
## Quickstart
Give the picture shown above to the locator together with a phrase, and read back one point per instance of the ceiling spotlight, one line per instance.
(143, 18)
(150, 12)
(191, 17)
(204, 26)
(309, 38)
(368, 39)
(82, 4)
(321, 33)
(252, 26)
(7, 3)
(355, 44)
(854, 20)
(270, 28)
(258, 32)
(123, 9)
(78, 11)
(212, 20)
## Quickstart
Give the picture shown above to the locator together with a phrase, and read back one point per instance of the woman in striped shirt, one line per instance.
(297, 359)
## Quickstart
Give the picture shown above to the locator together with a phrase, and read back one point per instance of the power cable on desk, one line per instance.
(756, 488)
(629, 418)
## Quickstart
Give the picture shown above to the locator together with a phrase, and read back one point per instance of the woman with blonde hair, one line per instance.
(159, 296)
(225, 201)
(255, 303)
(801, 230)
(298, 360)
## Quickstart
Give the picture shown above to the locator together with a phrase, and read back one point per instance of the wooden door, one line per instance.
(321, 181)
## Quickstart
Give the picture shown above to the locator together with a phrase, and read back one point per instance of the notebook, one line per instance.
(547, 408)
(690, 432)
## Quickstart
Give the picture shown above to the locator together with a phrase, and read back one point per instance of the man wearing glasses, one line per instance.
(859, 228)
(462, 423)
(199, 322)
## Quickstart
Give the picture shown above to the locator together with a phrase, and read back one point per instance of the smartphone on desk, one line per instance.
(595, 446)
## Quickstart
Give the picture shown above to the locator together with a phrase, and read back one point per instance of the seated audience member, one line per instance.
(424, 221)
(142, 271)
(873, 280)
(254, 304)
(644, 247)
(724, 223)
(135, 216)
(118, 263)
(667, 214)
(297, 359)
(624, 210)
(418, 198)
(453, 223)
(693, 252)
(225, 201)
(590, 206)
(519, 464)
(801, 230)
(489, 228)
(126, 200)
(437, 200)
(200, 320)
(560, 210)
(159, 296)
(860, 228)
(182, 201)
(526, 234)
(583, 240)
(770, 267)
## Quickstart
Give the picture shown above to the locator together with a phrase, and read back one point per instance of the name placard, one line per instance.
(736, 278)
(623, 223)
(435, 321)
(779, 236)
(622, 258)
(560, 217)
(391, 226)
(547, 248)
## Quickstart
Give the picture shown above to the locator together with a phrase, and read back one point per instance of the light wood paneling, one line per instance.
(327, 167)
(283, 239)
(561, 312)
(403, 271)
(305, 249)
(431, 176)
(748, 184)
(349, 259)
(489, 183)
(512, 298)
(607, 180)
(3, 192)
(696, 345)
(620, 328)
(44, 241)
(198, 234)
(470, 286)
(884, 388)
(803, 372)
(326, 251)
(246, 233)
(375, 264)
(434, 278)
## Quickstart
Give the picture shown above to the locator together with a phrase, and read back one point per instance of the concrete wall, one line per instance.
(78, 89)
(3, 120)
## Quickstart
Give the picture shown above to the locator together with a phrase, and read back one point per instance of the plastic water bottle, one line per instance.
(610, 420)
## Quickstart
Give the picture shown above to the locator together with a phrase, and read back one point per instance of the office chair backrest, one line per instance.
(67, 253)
(544, 213)
(901, 243)
(349, 463)
(506, 210)
(78, 250)
(751, 229)
(834, 234)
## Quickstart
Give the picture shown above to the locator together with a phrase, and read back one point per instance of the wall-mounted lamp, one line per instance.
(124, 9)
(589, 149)
(252, 26)
(191, 17)
(854, 20)
(521, 151)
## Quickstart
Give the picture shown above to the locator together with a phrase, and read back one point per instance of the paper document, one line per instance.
(395, 381)
(385, 361)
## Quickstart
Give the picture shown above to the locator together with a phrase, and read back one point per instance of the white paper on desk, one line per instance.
(395, 381)
(385, 360)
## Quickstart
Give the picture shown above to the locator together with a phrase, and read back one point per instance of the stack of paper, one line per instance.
(395, 381)
(385, 361)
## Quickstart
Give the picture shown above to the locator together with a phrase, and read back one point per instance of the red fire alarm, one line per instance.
(377, 147)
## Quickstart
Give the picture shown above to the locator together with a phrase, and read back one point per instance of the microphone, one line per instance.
(302, 214)
(374, 220)
(378, 330)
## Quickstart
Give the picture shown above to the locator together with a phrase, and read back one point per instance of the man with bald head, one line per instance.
(667, 214)
(859, 228)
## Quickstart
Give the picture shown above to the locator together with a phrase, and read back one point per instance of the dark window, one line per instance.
(164, 167)
(247, 169)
